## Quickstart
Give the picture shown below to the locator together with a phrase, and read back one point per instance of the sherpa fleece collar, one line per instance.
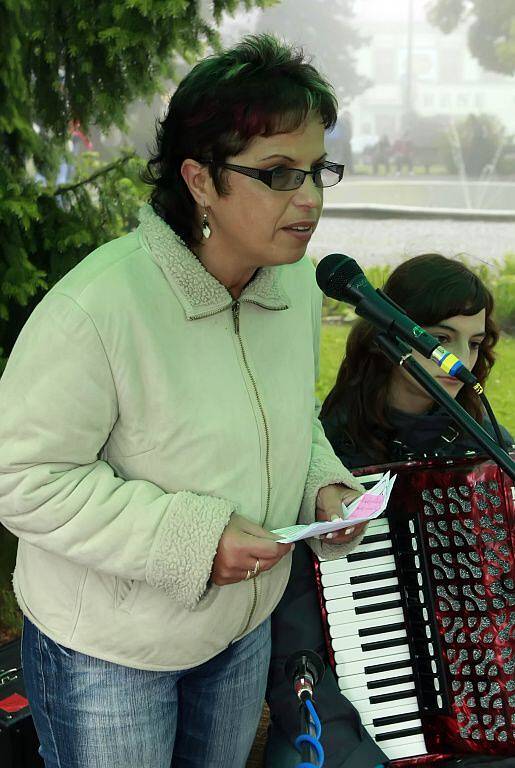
(197, 290)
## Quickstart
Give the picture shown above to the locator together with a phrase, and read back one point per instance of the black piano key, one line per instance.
(356, 557)
(391, 643)
(363, 593)
(373, 631)
(367, 577)
(361, 609)
(392, 719)
(384, 697)
(376, 537)
(398, 734)
(391, 681)
(373, 668)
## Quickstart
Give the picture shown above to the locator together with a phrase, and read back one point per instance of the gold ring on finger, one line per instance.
(257, 568)
(249, 575)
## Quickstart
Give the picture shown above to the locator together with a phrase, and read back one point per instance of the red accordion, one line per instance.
(420, 617)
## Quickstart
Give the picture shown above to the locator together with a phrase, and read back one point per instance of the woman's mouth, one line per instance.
(300, 231)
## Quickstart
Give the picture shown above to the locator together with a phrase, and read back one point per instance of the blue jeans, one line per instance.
(91, 713)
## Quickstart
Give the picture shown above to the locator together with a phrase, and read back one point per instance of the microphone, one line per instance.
(341, 278)
(304, 669)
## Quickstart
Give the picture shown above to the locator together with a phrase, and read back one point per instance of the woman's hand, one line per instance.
(329, 507)
(242, 544)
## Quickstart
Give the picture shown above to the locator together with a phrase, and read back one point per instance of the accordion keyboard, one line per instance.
(368, 633)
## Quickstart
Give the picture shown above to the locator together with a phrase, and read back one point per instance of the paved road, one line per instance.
(377, 241)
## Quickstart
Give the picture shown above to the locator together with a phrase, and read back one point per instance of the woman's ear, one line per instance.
(198, 181)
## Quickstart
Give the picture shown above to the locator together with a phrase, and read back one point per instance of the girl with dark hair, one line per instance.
(158, 421)
(377, 413)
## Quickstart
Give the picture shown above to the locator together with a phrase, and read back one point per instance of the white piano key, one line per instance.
(335, 616)
(342, 565)
(371, 546)
(404, 725)
(378, 575)
(360, 602)
(382, 679)
(408, 746)
(354, 641)
(398, 751)
(368, 657)
(364, 621)
(348, 571)
(351, 689)
(353, 591)
(369, 712)
(344, 668)
(370, 480)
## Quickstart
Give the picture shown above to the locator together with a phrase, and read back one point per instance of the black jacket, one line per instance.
(296, 622)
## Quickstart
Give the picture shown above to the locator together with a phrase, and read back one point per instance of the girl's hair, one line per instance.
(260, 87)
(429, 288)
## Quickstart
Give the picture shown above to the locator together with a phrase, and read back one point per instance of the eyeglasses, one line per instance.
(283, 178)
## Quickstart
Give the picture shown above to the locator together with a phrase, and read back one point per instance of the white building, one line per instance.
(445, 79)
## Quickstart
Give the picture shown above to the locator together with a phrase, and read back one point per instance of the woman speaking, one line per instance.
(158, 420)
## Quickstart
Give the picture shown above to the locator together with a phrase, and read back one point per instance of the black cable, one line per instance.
(495, 423)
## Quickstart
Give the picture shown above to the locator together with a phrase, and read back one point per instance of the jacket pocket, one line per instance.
(125, 594)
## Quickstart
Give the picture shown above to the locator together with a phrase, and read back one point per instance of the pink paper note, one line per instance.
(368, 504)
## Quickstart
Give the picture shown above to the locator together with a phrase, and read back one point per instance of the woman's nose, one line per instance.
(308, 194)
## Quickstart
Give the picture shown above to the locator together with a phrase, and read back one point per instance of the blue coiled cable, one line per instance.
(305, 738)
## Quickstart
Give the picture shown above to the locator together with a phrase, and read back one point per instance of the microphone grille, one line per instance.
(334, 273)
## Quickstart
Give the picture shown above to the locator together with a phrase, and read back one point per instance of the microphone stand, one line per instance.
(400, 353)
(307, 754)
(305, 668)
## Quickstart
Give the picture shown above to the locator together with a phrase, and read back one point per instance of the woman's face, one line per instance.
(461, 335)
(252, 224)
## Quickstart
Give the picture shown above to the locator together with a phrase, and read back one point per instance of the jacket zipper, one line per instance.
(236, 320)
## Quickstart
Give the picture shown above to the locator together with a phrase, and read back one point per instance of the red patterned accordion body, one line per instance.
(420, 618)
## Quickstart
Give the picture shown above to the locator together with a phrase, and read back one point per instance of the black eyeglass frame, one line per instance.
(266, 176)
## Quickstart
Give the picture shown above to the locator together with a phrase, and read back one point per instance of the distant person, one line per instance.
(402, 154)
(381, 154)
(478, 150)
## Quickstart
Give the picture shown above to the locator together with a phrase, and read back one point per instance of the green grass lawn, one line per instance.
(499, 389)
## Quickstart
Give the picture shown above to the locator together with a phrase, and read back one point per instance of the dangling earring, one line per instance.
(206, 229)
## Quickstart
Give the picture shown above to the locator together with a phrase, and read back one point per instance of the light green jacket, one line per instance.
(139, 408)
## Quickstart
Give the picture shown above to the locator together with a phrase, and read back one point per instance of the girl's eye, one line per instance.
(475, 345)
(442, 338)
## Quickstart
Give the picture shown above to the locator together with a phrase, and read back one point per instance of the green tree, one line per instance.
(491, 34)
(68, 65)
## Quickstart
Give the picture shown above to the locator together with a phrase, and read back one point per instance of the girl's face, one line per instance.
(461, 335)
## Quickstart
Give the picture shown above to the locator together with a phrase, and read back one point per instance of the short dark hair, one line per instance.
(430, 288)
(260, 87)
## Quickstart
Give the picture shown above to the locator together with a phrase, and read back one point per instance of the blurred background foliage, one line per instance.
(66, 71)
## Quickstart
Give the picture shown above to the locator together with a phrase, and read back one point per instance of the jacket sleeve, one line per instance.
(58, 405)
(325, 468)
